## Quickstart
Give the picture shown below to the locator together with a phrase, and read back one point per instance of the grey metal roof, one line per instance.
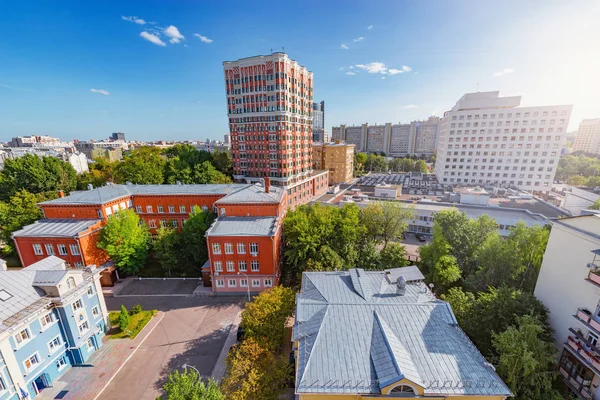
(243, 226)
(356, 344)
(55, 227)
(48, 278)
(112, 192)
(411, 273)
(50, 263)
(252, 194)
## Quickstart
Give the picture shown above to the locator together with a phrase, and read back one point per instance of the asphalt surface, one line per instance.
(153, 287)
(192, 332)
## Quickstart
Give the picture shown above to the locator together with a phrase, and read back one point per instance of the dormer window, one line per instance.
(71, 282)
(402, 391)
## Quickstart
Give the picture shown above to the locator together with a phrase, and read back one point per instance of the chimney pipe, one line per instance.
(61, 194)
(267, 184)
(401, 286)
(90, 186)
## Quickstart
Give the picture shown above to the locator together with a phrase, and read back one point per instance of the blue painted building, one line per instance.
(51, 318)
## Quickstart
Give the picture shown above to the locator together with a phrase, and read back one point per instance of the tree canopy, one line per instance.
(189, 386)
(142, 165)
(125, 240)
(579, 170)
(386, 221)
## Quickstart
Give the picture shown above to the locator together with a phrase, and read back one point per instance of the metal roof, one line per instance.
(243, 226)
(411, 273)
(48, 278)
(350, 343)
(56, 228)
(252, 194)
(50, 263)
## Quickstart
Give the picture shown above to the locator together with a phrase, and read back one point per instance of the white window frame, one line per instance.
(268, 282)
(78, 264)
(241, 248)
(60, 363)
(230, 265)
(171, 209)
(90, 291)
(54, 344)
(216, 248)
(37, 249)
(33, 366)
(244, 282)
(256, 250)
(71, 283)
(161, 209)
(95, 312)
(182, 209)
(3, 387)
(49, 249)
(220, 283)
(152, 224)
(62, 249)
(79, 325)
(243, 265)
(46, 324)
(149, 210)
(253, 264)
(175, 223)
(228, 248)
(231, 283)
(138, 209)
(88, 341)
(218, 265)
(23, 341)
(74, 249)
(75, 306)
(255, 282)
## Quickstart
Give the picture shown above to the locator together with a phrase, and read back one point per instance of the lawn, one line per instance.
(136, 324)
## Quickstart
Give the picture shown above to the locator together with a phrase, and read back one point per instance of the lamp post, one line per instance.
(186, 366)
(247, 283)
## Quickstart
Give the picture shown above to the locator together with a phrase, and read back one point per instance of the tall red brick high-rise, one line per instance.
(269, 105)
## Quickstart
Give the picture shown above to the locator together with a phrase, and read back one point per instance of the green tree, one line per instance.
(386, 221)
(94, 177)
(193, 250)
(595, 206)
(264, 318)
(206, 173)
(526, 360)
(125, 241)
(143, 165)
(36, 175)
(166, 248)
(395, 165)
(123, 319)
(462, 304)
(445, 272)
(20, 210)
(393, 256)
(182, 160)
(189, 386)
(325, 260)
(359, 161)
(254, 373)
(222, 162)
(375, 163)
(577, 180)
(421, 166)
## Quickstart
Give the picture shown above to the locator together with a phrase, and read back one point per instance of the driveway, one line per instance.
(187, 330)
(159, 287)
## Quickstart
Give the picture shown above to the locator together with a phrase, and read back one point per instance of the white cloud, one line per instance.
(383, 77)
(174, 34)
(152, 38)
(100, 91)
(350, 73)
(409, 107)
(370, 27)
(343, 46)
(373, 68)
(202, 38)
(406, 68)
(394, 71)
(351, 67)
(504, 72)
(134, 19)
(359, 39)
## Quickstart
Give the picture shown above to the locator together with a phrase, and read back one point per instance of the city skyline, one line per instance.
(154, 71)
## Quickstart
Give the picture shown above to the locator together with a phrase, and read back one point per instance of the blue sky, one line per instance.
(154, 78)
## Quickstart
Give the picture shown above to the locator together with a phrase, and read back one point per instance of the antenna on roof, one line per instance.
(282, 49)
(271, 50)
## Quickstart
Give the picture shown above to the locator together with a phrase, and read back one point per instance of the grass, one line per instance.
(136, 324)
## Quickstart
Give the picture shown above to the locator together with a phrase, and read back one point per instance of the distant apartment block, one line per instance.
(110, 153)
(588, 136)
(34, 140)
(488, 139)
(319, 115)
(569, 286)
(77, 160)
(118, 136)
(337, 158)
(320, 135)
(51, 318)
(88, 147)
(417, 137)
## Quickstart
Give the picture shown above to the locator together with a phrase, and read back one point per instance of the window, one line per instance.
(231, 283)
(49, 249)
(244, 283)
(54, 344)
(254, 265)
(175, 223)
(77, 305)
(138, 209)
(220, 283)
(228, 248)
(31, 362)
(163, 223)
(216, 247)
(255, 282)
(61, 363)
(243, 266)
(268, 282)
(83, 327)
(171, 209)
(90, 290)
(253, 248)
(181, 209)
(74, 249)
(22, 336)
(78, 264)
(161, 209)
(37, 250)
(149, 209)
(241, 248)
(230, 266)
(46, 320)
(152, 224)
(95, 311)
(90, 343)
(402, 389)
(218, 266)
(2, 384)
(62, 249)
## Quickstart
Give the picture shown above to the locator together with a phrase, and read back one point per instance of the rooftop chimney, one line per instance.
(3, 266)
(61, 194)
(267, 185)
(400, 286)
(90, 186)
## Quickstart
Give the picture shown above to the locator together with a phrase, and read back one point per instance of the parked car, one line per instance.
(240, 334)
(420, 237)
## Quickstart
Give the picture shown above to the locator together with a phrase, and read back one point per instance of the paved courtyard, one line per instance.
(154, 287)
(187, 330)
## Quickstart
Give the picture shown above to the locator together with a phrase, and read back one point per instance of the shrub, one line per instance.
(136, 309)
(123, 319)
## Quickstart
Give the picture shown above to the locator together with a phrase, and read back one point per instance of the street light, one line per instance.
(247, 283)
(186, 366)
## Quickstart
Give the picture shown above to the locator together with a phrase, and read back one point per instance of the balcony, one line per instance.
(577, 384)
(584, 351)
(594, 275)
(585, 316)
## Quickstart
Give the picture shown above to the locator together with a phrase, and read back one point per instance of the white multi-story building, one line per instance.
(487, 139)
(588, 136)
(569, 286)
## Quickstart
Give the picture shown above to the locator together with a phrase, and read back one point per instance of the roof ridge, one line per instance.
(310, 352)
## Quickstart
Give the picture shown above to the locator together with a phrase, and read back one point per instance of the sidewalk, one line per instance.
(84, 383)
(220, 368)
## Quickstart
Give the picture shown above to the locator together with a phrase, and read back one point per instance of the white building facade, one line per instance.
(487, 139)
(569, 286)
(588, 136)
